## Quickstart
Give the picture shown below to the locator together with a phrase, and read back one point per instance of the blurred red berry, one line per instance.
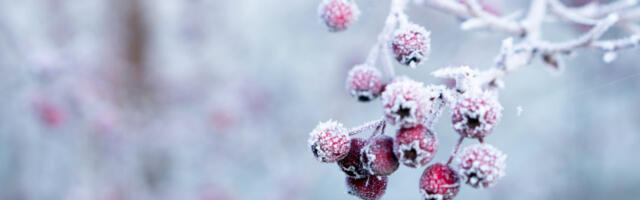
(378, 156)
(364, 82)
(338, 15)
(50, 114)
(480, 165)
(351, 164)
(329, 141)
(415, 147)
(369, 188)
(439, 182)
(411, 44)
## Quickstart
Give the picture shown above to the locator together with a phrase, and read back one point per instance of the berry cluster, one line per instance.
(414, 108)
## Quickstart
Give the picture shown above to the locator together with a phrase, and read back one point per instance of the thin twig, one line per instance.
(455, 150)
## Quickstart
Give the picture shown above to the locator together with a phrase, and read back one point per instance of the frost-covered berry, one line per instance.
(439, 182)
(475, 115)
(480, 165)
(351, 164)
(411, 44)
(364, 82)
(329, 141)
(370, 188)
(378, 156)
(338, 14)
(408, 103)
(415, 147)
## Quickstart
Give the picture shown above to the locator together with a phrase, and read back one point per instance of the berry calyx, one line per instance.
(338, 14)
(415, 147)
(475, 115)
(329, 141)
(480, 165)
(369, 188)
(364, 82)
(411, 44)
(351, 164)
(378, 156)
(439, 182)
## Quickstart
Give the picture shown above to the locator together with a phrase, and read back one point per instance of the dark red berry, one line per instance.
(415, 147)
(378, 156)
(352, 165)
(369, 188)
(439, 182)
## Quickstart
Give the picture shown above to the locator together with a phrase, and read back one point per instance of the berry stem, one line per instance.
(367, 126)
(455, 150)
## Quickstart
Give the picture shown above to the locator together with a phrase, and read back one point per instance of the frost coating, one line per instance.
(364, 82)
(338, 14)
(329, 141)
(475, 114)
(415, 147)
(480, 165)
(408, 103)
(411, 44)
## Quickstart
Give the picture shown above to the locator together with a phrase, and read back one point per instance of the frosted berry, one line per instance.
(329, 141)
(338, 14)
(411, 44)
(405, 102)
(439, 182)
(364, 82)
(351, 164)
(415, 147)
(480, 165)
(475, 115)
(369, 188)
(378, 156)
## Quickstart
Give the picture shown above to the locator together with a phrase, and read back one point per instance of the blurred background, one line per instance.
(214, 100)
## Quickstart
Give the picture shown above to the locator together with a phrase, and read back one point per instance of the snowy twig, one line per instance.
(367, 126)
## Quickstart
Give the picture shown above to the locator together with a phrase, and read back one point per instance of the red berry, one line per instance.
(415, 147)
(338, 14)
(329, 141)
(475, 115)
(370, 188)
(364, 82)
(439, 182)
(378, 156)
(480, 165)
(411, 44)
(351, 164)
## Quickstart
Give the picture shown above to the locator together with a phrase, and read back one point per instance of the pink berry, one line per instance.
(338, 14)
(439, 182)
(369, 188)
(415, 147)
(480, 165)
(411, 44)
(378, 156)
(351, 164)
(364, 82)
(475, 115)
(329, 141)
(50, 114)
